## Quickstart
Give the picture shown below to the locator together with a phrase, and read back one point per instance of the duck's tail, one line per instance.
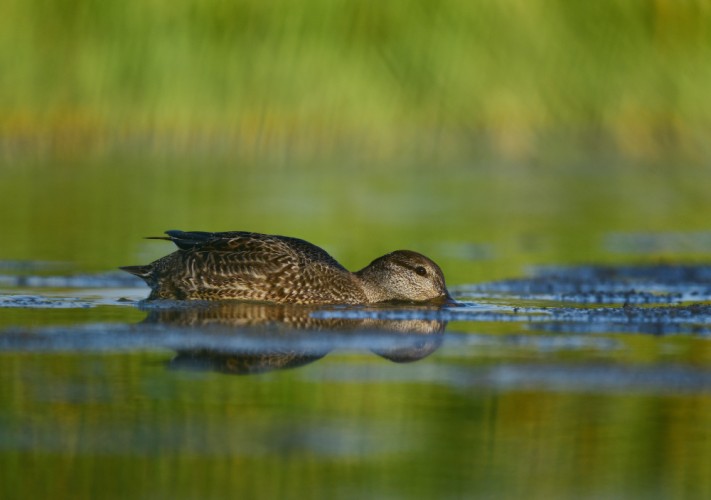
(143, 272)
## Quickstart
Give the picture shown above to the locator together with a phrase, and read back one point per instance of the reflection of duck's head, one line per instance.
(403, 275)
(415, 340)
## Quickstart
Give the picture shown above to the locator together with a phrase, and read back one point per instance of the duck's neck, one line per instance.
(370, 281)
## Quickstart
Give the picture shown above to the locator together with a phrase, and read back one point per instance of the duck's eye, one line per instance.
(421, 271)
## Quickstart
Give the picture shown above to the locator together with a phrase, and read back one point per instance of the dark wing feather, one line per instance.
(186, 240)
(246, 244)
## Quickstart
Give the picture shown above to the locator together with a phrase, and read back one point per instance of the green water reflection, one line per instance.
(477, 221)
(122, 426)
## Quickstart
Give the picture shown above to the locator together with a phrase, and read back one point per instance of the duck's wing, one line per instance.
(245, 265)
(254, 248)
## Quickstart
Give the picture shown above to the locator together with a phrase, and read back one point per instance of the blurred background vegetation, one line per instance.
(515, 132)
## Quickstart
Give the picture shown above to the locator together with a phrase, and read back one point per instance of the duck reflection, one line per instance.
(250, 338)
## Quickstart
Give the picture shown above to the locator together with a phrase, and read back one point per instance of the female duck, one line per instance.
(253, 266)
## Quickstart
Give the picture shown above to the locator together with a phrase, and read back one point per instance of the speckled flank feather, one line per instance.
(253, 266)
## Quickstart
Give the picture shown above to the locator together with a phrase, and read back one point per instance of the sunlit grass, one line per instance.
(327, 76)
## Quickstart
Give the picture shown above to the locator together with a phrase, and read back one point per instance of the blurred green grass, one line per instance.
(397, 78)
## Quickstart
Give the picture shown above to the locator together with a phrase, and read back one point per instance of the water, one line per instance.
(577, 382)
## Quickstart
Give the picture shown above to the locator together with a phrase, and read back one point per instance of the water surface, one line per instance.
(586, 382)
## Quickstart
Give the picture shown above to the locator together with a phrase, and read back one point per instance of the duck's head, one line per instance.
(404, 275)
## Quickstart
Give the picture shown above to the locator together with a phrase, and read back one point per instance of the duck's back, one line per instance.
(249, 266)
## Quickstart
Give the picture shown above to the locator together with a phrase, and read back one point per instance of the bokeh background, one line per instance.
(490, 135)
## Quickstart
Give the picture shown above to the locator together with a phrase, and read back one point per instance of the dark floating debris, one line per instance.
(653, 284)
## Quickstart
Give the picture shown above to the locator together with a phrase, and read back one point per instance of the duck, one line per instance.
(280, 269)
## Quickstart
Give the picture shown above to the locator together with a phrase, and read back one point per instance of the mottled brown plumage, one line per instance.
(253, 266)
